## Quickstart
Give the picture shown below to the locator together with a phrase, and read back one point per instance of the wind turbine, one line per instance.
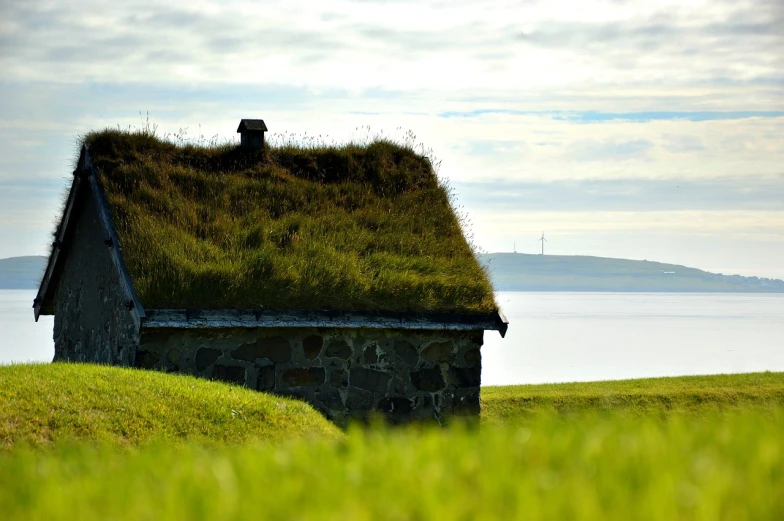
(543, 240)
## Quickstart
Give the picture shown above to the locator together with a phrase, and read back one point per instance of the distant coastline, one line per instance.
(526, 272)
(22, 272)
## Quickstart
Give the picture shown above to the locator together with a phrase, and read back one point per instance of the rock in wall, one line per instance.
(402, 375)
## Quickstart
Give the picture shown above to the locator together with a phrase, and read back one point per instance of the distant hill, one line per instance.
(525, 272)
(21, 272)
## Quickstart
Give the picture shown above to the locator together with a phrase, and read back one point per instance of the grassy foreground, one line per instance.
(694, 448)
(720, 466)
(45, 403)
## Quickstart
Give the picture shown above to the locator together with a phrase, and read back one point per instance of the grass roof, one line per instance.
(346, 228)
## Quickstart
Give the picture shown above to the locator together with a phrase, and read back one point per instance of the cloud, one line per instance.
(592, 116)
(747, 26)
(40, 122)
(680, 144)
(503, 46)
(609, 150)
(615, 149)
(484, 147)
(758, 193)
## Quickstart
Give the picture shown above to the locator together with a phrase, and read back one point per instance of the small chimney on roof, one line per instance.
(252, 133)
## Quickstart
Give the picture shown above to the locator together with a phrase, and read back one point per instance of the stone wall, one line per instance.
(91, 320)
(345, 373)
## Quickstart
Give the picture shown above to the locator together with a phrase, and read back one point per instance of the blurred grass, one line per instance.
(718, 466)
(687, 448)
(342, 227)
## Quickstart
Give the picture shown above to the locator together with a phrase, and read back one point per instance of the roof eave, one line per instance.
(502, 323)
(231, 318)
(262, 127)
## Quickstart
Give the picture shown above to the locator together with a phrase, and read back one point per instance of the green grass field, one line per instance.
(692, 448)
(652, 396)
(45, 403)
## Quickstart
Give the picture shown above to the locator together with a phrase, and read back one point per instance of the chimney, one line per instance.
(252, 133)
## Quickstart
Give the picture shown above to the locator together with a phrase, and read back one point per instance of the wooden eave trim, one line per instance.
(228, 318)
(86, 174)
(503, 323)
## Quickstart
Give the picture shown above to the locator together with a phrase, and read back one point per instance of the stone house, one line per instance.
(408, 358)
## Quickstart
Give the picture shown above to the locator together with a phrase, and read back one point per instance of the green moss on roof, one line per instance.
(350, 228)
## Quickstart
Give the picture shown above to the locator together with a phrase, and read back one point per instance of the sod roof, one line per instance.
(366, 228)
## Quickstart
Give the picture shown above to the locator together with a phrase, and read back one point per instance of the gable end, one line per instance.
(85, 184)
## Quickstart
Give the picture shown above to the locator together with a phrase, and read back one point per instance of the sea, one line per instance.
(562, 336)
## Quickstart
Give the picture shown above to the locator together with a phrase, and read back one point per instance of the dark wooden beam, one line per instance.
(227, 318)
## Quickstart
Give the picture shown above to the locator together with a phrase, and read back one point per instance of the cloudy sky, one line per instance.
(646, 130)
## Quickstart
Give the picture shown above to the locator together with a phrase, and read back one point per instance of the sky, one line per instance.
(643, 130)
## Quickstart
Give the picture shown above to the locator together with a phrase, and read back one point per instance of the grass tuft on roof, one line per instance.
(346, 228)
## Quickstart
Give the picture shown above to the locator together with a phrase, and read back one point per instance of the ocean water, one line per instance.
(21, 338)
(567, 337)
(562, 337)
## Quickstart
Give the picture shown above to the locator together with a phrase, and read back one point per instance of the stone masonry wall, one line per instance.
(91, 321)
(344, 373)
